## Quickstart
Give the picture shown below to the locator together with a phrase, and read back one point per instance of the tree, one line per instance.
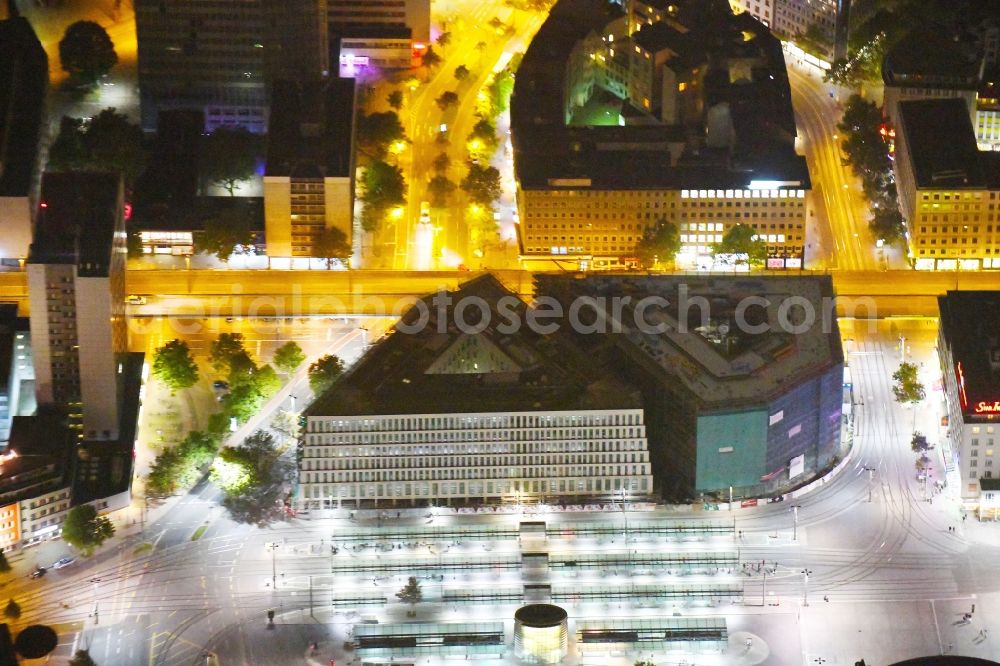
(461, 73)
(82, 658)
(288, 357)
(229, 157)
(431, 59)
(446, 99)
(253, 476)
(439, 188)
(483, 138)
(482, 184)
(500, 90)
(174, 366)
(441, 162)
(919, 443)
(12, 610)
(395, 99)
(287, 423)
(332, 243)
(242, 369)
(741, 239)
(907, 387)
(243, 402)
(85, 530)
(228, 227)
(324, 372)
(4, 564)
(444, 39)
(887, 223)
(267, 382)
(107, 142)
(183, 465)
(376, 131)
(495, 23)
(384, 187)
(411, 593)
(224, 348)
(86, 52)
(660, 243)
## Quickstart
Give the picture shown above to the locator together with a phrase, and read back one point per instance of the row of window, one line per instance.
(475, 421)
(475, 460)
(477, 489)
(540, 471)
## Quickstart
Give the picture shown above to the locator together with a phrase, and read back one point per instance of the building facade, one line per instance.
(76, 284)
(949, 190)
(386, 34)
(488, 458)
(16, 368)
(969, 351)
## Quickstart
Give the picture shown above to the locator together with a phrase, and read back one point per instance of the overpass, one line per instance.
(204, 293)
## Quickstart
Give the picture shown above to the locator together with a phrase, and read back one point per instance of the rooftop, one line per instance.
(942, 145)
(311, 129)
(721, 359)
(970, 323)
(441, 369)
(24, 80)
(78, 216)
(927, 58)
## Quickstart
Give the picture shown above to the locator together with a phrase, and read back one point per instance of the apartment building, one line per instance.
(949, 190)
(377, 33)
(442, 413)
(969, 351)
(76, 284)
(309, 177)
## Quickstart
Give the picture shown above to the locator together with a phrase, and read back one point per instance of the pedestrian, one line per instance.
(973, 610)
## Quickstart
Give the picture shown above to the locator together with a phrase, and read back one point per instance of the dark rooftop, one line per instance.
(24, 79)
(78, 216)
(311, 129)
(970, 325)
(927, 58)
(942, 145)
(441, 369)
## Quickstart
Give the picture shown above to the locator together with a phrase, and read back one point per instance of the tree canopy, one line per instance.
(906, 385)
(174, 366)
(332, 243)
(741, 239)
(222, 350)
(384, 187)
(252, 477)
(229, 157)
(377, 131)
(440, 187)
(86, 52)
(446, 99)
(288, 357)
(228, 227)
(107, 142)
(441, 162)
(182, 466)
(660, 243)
(461, 73)
(12, 610)
(482, 184)
(411, 592)
(85, 530)
(324, 372)
(431, 59)
(395, 99)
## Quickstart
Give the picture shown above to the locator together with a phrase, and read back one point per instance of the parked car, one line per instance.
(136, 300)
(63, 562)
(220, 385)
(38, 573)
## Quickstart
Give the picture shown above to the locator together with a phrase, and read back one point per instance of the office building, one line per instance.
(24, 81)
(969, 351)
(387, 34)
(686, 119)
(76, 284)
(791, 18)
(747, 398)
(987, 120)
(949, 190)
(447, 413)
(309, 177)
(221, 59)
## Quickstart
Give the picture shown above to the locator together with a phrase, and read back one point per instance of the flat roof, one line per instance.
(727, 359)
(311, 129)
(440, 369)
(24, 81)
(942, 145)
(927, 58)
(970, 325)
(78, 216)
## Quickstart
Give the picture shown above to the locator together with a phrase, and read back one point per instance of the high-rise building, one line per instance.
(379, 33)
(24, 80)
(76, 285)
(220, 58)
(949, 190)
(16, 368)
(309, 177)
(687, 119)
(969, 351)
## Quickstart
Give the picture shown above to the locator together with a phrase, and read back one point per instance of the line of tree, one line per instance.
(741, 240)
(324, 372)
(106, 142)
(868, 155)
(85, 530)
(253, 477)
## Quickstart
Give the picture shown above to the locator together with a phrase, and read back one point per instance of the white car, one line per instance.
(425, 212)
(64, 562)
(136, 300)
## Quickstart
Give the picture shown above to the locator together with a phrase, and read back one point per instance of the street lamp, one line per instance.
(273, 546)
(871, 472)
(795, 521)
(805, 586)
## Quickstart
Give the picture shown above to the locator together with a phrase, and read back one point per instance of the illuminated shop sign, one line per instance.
(985, 407)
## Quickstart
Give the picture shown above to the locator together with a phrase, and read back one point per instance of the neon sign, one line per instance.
(984, 407)
(961, 387)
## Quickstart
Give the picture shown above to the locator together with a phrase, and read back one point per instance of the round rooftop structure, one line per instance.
(541, 635)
